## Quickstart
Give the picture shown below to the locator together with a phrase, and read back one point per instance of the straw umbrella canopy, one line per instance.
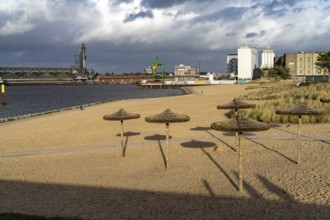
(121, 115)
(299, 110)
(325, 99)
(236, 104)
(167, 117)
(240, 124)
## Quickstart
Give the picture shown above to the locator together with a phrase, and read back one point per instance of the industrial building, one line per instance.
(247, 63)
(267, 58)
(303, 64)
(182, 69)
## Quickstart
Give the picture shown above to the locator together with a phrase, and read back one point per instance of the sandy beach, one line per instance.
(69, 164)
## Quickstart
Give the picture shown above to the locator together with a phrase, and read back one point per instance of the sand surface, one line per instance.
(69, 164)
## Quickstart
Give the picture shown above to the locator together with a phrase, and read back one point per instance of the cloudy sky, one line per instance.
(127, 35)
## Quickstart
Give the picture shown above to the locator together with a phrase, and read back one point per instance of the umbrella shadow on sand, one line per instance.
(272, 150)
(232, 134)
(271, 187)
(206, 129)
(158, 138)
(202, 145)
(198, 144)
(127, 135)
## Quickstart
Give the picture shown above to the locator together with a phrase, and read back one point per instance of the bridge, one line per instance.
(78, 71)
(36, 69)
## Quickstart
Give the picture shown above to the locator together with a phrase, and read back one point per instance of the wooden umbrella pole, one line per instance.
(240, 163)
(236, 133)
(122, 138)
(299, 142)
(167, 148)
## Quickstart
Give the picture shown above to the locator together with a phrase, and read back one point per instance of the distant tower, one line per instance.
(267, 58)
(82, 57)
(247, 62)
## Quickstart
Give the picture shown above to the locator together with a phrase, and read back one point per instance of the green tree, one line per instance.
(279, 72)
(323, 61)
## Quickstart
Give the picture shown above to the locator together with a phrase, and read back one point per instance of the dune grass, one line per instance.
(285, 94)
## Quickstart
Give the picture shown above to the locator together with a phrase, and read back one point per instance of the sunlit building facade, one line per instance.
(247, 62)
(267, 58)
(303, 64)
(181, 70)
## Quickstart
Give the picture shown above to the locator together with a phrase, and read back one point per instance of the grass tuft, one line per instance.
(284, 95)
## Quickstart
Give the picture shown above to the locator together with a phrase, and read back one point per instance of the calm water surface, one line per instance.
(24, 100)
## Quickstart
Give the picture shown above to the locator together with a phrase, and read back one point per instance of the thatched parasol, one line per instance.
(240, 124)
(299, 110)
(121, 115)
(236, 104)
(325, 99)
(167, 117)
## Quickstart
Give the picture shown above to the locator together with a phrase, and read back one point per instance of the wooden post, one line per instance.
(240, 163)
(299, 144)
(3, 94)
(167, 148)
(122, 138)
(236, 133)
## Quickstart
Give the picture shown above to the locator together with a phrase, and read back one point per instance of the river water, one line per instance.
(26, 101)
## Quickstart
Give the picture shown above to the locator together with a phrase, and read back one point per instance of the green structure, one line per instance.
(158, 74)
(317, 78)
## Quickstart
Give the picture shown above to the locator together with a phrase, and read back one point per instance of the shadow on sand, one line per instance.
(207, 130)
(272, 150)
(202, 145)
(89, 202)
(127, 135)
(158, 138)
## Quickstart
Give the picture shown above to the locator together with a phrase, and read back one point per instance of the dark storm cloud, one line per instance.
(231, 34)
(116, 2)
(226, 14)
(277, 8)
(255, 34)
(43, 37)
(141, 14)
(161, 3)
(251, 35)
